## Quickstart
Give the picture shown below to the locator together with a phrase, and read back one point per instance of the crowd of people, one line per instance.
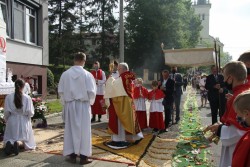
(86, 95)
(123, 97)
(228, 95)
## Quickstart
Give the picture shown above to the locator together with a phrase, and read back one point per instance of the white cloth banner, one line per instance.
(190, 57)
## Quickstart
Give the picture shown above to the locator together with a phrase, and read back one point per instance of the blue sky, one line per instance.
(230, 22)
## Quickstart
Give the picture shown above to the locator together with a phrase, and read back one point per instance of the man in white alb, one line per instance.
(77, 89)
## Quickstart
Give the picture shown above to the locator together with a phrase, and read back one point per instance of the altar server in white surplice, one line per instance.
(77, 89)
(18, 110)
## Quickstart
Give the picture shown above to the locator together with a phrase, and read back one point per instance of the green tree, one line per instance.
(225, 58)
(101, 19)
(62, 22)
(149, 23)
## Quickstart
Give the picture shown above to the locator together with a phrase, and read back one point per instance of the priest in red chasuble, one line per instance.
(123, 123)
(100, 79)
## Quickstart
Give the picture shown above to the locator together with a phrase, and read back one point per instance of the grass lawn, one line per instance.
(54, 106)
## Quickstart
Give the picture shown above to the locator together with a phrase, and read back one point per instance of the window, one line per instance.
(30, 25)
(3, 10)
(19, 21)
(24, 22)
(203, 16)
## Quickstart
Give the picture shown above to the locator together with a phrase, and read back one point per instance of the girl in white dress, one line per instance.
(18, 110)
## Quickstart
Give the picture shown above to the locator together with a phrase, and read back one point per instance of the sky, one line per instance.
(230, 22)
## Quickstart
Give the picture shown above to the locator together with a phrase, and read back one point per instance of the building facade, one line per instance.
(202, 9)
(27, 40)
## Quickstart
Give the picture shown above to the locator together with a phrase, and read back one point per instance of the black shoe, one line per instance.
(99, 120)
(123, 144)
(138, 141)
(92, 120)
(111, 143)
(84, 160)
(117, 144)
(16, 148)
(8, 148)
(72, 158)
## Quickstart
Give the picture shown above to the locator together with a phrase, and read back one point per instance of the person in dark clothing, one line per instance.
(216, 95)
(167, 86)
(185, 82)
(177, 91)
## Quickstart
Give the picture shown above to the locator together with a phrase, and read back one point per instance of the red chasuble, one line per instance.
(122, 108)
(127, 81)
(229, 116)
(241, 155)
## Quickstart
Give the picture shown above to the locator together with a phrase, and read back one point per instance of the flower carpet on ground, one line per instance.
(191, 148)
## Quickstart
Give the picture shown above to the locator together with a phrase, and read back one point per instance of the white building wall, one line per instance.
(23, 53)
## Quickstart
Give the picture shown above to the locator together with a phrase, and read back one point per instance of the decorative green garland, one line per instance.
(191, 148)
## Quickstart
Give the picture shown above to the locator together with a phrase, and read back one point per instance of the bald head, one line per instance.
(122, 67)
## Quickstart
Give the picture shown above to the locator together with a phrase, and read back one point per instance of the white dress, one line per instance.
(18, 121)
(77, 88)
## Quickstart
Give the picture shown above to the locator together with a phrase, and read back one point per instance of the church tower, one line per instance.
(202, 9)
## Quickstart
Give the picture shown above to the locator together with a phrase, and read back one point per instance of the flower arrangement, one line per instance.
(39, 120)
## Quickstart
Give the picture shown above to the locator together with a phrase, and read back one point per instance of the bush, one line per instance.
(52, 92)
(50, 78)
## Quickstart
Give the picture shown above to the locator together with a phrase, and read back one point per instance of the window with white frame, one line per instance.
(25, 22)
(3, 8)
(19, 21)
(30, 25)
